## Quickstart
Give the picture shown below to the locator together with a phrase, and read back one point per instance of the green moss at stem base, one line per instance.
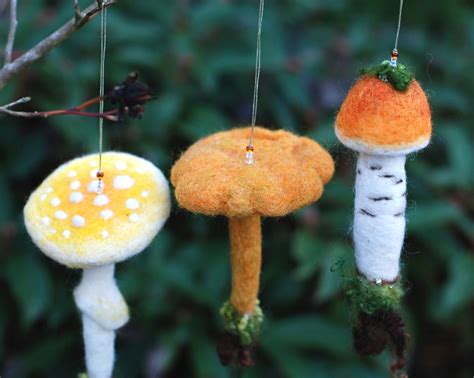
(245, 326)
(398, 76)
(367, 297)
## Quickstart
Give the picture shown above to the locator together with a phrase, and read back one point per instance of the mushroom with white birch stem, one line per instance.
(212, 178)
(385, 117)
(80, 224)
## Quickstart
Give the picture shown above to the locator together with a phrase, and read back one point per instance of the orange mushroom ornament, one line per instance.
(385, 117)
(213, 178)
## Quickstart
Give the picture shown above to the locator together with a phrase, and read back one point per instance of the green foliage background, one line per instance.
(199, 57)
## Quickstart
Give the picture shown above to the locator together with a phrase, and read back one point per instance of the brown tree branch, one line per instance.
(42, 48)
(11, 32)
(111, 115)
(3, 5)
(77, 11)
(128, 98)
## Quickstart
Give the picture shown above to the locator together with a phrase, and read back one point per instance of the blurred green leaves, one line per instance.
(199, 57)
(30, 284)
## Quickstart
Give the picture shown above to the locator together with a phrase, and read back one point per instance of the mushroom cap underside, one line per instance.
(74, 224)
(289, 172)
(376, 118)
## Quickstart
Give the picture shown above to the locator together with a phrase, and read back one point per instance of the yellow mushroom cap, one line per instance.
(75, 225)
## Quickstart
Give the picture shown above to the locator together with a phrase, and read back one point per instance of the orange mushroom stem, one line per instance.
(246, 257)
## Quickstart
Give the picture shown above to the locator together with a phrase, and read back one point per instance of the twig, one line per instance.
(3, 5)
(111, 115)
(129, 99)
(22, 100)
(12, 69)
(11, 32)
(77, 11)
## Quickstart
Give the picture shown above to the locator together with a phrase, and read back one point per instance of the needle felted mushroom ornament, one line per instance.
(212, 178)
(384, 117)
(83, 223)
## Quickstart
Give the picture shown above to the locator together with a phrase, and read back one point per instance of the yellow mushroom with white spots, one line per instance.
(83, 223)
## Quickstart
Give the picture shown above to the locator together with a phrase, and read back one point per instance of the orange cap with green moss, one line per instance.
(377, 118)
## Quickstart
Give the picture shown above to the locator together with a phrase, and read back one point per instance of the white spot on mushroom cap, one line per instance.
(72, 173)
(76, 197)
(93, 173)
(132, 204)
(75, 185)
(101, 200)
(49, 190)
(106, 214)
(145, 194)
(123, 182)
(66, 234)
(55, 202)
(46, 221)
(95, 186)
(134, 217)
(60, 215)
(93, 163)
(43, 197)
(121, 165)
(78, 221)
(105, 234)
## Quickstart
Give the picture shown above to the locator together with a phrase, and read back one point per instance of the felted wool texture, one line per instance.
(399, 76)
(98, 297)
(74, 225)
(245, 326)
(366, 297)
(379, 215)
(99, 349)
(376, 118)
(246, 256)
(289, 172)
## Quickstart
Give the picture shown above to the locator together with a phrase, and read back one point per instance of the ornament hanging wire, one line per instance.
(249, 158)
(103, 47)
(394, 54)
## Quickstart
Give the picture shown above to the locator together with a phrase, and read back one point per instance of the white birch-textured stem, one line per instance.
(103, 311)
(379, 215)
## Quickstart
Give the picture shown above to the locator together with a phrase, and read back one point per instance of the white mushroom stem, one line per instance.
(379, 215)
(99, 347)
(103, 311)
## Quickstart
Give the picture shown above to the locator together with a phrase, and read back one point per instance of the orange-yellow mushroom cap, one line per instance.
(77, 226)
(377, 118)
(289, 172)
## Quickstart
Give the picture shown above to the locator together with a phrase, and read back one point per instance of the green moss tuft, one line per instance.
(244, 326)
(368, 297)
(398, 76)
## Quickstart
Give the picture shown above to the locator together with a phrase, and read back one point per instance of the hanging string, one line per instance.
(103, 46)
(399, 24)
(249, 156)
(394, 55)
